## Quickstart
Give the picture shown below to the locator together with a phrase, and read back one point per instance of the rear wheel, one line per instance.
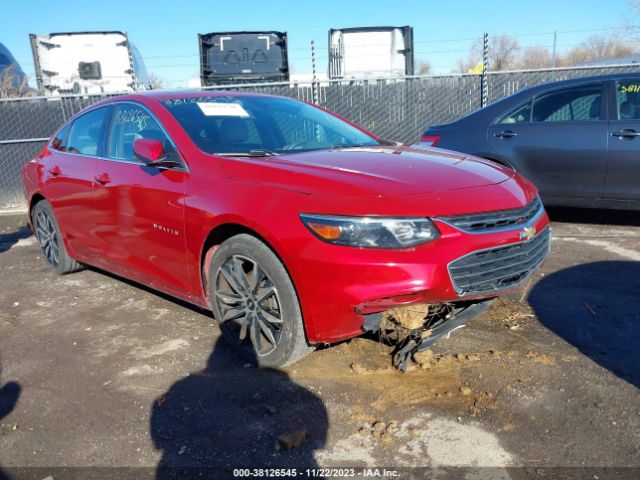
(255, 303)
(49, 236)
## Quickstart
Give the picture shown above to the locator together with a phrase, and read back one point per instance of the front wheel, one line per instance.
(255, 303)
(49, 236)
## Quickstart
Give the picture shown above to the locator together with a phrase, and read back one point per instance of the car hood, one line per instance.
(369, 171)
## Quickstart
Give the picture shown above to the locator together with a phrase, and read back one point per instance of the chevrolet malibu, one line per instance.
(292, 225)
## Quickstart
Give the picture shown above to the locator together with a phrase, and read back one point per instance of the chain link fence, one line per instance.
(395, 109)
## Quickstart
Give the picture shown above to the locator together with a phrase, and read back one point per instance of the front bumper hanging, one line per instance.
(409, 341)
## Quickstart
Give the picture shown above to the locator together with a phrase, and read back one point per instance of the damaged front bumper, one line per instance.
(413, 329)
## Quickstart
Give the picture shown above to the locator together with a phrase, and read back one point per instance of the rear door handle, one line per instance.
(55, 171)
(627, 133)
(103, 178)
(505, 134)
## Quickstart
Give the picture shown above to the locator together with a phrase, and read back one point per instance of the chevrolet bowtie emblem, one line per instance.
(527, 233)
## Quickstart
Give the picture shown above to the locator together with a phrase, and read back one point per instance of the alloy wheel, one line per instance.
(249, 304)
(48, 238)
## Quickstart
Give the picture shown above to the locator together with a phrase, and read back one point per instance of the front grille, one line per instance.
(491, 221)
(499, 268)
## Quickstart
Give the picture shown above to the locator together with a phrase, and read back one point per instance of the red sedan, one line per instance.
(294, 226)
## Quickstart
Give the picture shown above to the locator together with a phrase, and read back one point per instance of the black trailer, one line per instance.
(243, 57)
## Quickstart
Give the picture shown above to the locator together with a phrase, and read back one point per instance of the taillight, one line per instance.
(430, 140)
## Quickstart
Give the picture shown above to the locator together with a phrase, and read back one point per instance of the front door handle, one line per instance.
(55, 171)
(505, 134)
(103, 178)
(627, 133)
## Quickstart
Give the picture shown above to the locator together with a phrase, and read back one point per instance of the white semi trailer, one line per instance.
(370, 52)
(87, 62)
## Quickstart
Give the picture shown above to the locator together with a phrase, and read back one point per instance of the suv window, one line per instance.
(519, 115)
(131, 122)
(573, 104)
(86, 132)
(628, 99)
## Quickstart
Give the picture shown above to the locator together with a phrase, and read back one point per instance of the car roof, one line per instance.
(504, 104)
(162, 95)
(573, 81)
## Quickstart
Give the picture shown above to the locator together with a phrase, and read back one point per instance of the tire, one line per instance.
(260, 318)
(49, 236)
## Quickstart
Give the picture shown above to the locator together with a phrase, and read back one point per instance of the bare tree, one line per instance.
(597, 47)
(156, 82)
(423, 68)
(469, 64)
(632, 27)
(503, 54)
(534, 57)
(12, 84)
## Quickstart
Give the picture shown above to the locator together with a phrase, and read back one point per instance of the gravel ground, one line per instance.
(99, 372)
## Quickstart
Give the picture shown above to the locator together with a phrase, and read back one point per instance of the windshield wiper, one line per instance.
(255, 152)
(337, 146)
(261, 152)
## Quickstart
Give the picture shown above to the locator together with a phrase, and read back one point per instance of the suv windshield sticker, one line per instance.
(215, 109)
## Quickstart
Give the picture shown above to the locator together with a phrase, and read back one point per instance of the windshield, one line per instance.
(261, 125)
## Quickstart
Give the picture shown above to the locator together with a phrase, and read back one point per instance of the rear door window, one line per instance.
(87, 132)
(569, 105)
(628, 99)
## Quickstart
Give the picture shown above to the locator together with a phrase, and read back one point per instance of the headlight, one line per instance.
(371, 232)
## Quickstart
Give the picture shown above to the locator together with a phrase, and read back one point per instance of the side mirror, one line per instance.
(148, 150)
(151, 152)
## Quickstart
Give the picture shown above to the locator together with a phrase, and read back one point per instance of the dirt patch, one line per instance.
(97, 358)
(540, 358)
(410, 317)
(382, 431)
(361, 369)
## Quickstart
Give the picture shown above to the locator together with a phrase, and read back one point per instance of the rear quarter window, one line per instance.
(520, 114)
(87, 131)
(61, 138)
